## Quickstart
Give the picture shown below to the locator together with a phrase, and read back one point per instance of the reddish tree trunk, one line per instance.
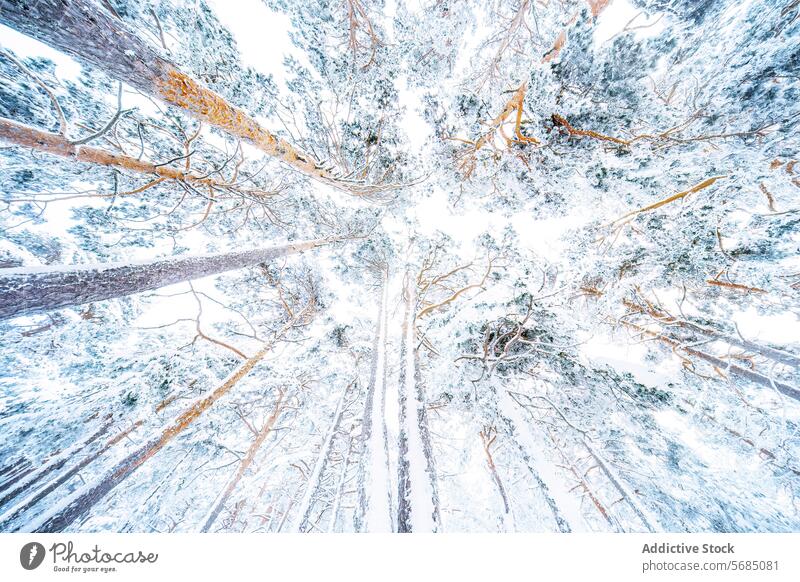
(94, 36)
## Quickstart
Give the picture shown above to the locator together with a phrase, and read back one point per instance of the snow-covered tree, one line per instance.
(393, 266)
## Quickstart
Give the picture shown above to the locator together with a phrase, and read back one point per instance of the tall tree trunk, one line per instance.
(15, 471)
(80, 502)
(341, 482)
(92, 35)
(373, 510)
(244, 465)
(418, 499)
(52, 464)
(647, 519)
(584, 484)
(28, 502)
(26, 136)
(721, 365)
(669, 320)
(317, 475)
(566, 509)
(29, 290)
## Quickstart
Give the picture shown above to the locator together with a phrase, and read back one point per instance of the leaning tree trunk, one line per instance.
(8, 516)
(566, 509)
(668, 320)
(81, 29)
(26, 136)
(29, 290)
(317, 477)
(81, 501)
(721, 365)
(230, 487)
(54, 463)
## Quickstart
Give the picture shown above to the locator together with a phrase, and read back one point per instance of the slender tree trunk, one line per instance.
(584, 484)
(647, 519)
(54, 463)
(488, 436)
(565, 508)
(766, 351)
(764, 453)
(34, 498)
(373, 509)
(314, 482)
(417, 500)
(666, 319)
(26, 136)
(720, 364)
(244, 465)
(13, 472)
(80, 502)
(92, 35)
(29, 290)
(342, 481)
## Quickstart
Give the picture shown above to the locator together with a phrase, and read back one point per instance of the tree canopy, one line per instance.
(399, 265)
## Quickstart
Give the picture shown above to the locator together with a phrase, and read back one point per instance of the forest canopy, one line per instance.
(399, 265)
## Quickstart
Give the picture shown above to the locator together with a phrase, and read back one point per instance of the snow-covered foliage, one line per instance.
(555, 287)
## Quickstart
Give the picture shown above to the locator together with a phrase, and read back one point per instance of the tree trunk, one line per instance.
(669, 320)
(93, 36)
(28, 502)
(720, 364)
(244, 465)
(647, 519)
(337, 498)
(315, 478)
(373, 510)
(29, 290)
(54, 463)
(584, 484)
(80, 502)
(417, 500)
(26, 136)
(13, 472)
(566, 510)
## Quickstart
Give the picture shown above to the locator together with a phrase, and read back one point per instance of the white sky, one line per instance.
(25, 46)
(620, 13)
(261, 34)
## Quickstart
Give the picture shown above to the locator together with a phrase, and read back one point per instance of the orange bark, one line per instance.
(596, 7)
(91, 34)
(26, 136)
(736, 286)
(184, 92)
(560, 121)
(513, 104)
